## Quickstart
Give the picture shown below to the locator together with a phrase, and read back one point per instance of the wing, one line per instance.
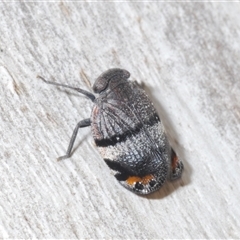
(127, 128)
(122, 111)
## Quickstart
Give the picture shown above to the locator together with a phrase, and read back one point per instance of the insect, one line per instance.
(128, 133)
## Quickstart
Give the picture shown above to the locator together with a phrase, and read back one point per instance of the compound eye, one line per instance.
(103, 80)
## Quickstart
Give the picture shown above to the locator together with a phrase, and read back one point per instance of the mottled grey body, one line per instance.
(128, 133)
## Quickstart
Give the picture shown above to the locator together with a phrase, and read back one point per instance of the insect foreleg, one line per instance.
(86, 93)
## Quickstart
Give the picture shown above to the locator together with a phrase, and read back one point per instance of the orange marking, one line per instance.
(144, 180)
(174, 162)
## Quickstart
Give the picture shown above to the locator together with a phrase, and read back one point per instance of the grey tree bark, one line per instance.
(187, 55)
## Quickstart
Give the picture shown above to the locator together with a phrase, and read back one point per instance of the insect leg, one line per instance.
(81, 124)
(86, 93)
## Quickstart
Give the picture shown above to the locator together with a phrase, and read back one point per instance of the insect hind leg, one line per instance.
(81, 124)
